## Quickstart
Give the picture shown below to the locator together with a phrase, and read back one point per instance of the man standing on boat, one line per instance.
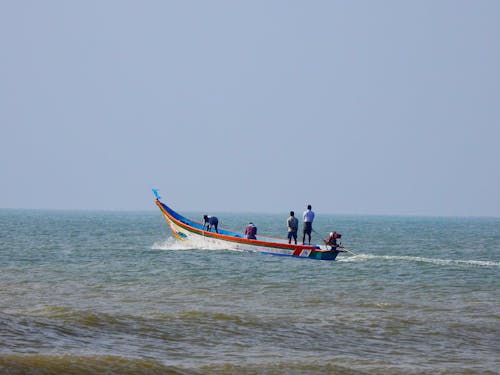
(210, 221)
(293, 226)
(308, 220)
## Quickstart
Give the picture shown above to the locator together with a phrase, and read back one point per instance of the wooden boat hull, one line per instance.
(189, 230)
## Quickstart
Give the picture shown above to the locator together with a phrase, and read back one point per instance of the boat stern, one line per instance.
(323, 255)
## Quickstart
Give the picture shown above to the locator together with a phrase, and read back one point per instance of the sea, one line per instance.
(95, 292)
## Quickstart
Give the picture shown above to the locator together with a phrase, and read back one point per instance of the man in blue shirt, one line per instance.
(308, 220)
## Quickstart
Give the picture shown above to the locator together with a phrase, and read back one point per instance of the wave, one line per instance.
(447, 262)
(76, 364)
(20, 364)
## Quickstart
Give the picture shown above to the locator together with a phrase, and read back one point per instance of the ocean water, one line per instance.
(115, 293)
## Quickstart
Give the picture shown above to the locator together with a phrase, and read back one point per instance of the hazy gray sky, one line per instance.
(362, 107)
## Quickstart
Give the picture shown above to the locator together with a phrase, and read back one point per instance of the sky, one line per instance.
(355, 107)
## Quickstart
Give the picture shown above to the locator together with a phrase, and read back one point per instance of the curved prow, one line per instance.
(157, 195)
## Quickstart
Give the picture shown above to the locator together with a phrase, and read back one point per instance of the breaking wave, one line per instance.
(75, 365)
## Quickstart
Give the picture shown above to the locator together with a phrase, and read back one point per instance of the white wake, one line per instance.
(172, 243)
(447, 262)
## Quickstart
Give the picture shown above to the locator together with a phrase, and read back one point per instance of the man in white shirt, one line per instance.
(308, 220)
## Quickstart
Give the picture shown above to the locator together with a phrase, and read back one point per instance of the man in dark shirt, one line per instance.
(209, 222)
(251, 231)
(292, 224)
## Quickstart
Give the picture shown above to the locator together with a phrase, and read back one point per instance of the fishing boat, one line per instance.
(185, 229)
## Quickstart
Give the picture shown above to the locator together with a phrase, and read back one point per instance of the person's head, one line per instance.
(331, 234)
(205, 217)
(292, 213)
(309, 207)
